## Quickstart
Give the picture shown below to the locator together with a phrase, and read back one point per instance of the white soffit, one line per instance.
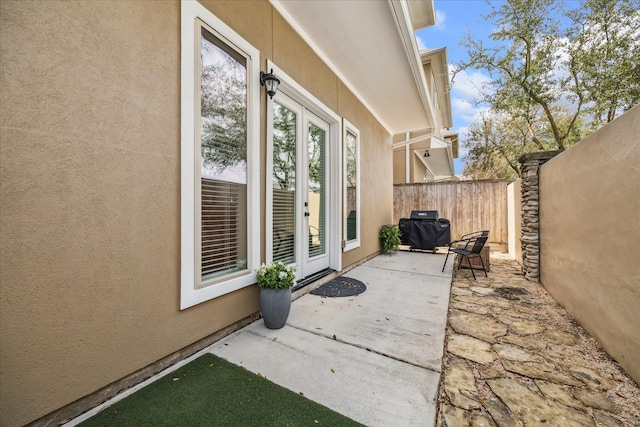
(363, 44)
(438, 162)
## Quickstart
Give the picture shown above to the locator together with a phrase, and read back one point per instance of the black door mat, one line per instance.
(340, 287)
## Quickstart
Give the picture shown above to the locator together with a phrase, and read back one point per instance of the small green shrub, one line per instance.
(389, 238)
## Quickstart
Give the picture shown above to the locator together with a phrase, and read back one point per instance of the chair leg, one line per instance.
(483, 267)
(471, 267)
(445, 261)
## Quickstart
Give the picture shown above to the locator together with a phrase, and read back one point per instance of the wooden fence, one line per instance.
(469, 205)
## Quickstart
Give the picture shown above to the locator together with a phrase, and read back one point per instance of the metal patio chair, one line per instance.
(478, 244)
(464, 242)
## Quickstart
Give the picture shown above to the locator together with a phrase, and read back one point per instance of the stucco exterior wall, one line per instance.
(399, 170)
(417, 169)
(376, 166)
(589, 234)
(90, 190)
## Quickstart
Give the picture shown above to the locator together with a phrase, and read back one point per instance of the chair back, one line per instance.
(479, 244)
(475, 234)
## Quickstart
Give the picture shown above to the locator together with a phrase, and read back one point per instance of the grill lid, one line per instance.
(428, 215)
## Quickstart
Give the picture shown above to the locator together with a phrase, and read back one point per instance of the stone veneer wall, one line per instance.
(530, 203)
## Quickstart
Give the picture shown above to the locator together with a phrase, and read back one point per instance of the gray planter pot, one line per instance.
(274, 306)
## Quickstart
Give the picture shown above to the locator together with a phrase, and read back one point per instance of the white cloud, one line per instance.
(438, 26)
(463, 109)
(235, 173)
(440, 20)
(469, 84)
(465, 91)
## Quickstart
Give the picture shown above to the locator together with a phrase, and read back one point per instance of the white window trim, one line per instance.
(190, 42)
(348, 127)
(296, 92)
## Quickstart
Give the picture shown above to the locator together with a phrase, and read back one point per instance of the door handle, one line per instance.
(306, 214)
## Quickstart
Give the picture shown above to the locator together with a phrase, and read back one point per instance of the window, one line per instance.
(220, 158)
(285, 132)
(351, 190)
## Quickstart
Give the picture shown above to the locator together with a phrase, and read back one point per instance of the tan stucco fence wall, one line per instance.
(590, 235)
(90, 190)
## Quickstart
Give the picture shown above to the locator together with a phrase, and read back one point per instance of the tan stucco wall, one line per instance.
(417, 169)
(376, 165)
(399, 162)
(589, 234)
(90, 190)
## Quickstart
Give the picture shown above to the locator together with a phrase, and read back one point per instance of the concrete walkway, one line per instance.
(375, 357)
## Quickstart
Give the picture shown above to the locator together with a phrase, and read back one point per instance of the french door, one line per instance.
(299, 182)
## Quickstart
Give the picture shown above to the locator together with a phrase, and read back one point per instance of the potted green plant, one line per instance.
(275, 280)
(389, 238)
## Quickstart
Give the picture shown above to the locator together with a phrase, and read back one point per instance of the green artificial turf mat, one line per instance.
(210, 391)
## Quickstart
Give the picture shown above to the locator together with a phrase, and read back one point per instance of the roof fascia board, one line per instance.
(450, 157)
(423, 13)
(453, 137)
(439, 56)
(402, 19)
(448, 119)
(277, 4)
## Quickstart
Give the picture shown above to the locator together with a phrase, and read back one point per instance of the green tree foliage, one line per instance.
(351, 159)
(316, 156)
(284, 150)
(495, 141)
(605, 41)
(556, 74)
(284, 147)
(224, 114)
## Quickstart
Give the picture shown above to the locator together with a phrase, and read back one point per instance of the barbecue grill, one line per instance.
(424, 230)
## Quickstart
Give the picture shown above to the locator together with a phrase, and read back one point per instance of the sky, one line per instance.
(454, 20)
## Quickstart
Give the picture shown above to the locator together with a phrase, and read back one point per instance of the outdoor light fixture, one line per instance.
(270, 82)
(426, 153)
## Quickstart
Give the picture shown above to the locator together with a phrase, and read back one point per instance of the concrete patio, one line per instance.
(417, 348)
(375, 357)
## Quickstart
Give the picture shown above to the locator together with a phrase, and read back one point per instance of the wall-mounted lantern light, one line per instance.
(270, 82)
(426, 153)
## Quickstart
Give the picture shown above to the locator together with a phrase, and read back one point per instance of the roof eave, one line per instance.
(320, 23)
(423, 13)
(402, 15)
(438, 59)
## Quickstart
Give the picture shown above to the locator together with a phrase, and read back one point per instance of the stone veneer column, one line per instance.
(530, 238)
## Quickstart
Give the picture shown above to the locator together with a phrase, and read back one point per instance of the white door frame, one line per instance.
(297, 93)
(320, 262)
